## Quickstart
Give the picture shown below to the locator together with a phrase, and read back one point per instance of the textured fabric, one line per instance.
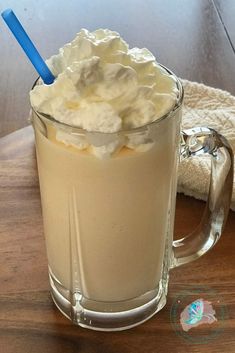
(207, 107)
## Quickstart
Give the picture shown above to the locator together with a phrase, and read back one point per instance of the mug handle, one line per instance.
(194, 142)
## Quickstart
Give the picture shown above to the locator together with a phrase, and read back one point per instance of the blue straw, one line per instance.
(28, 47)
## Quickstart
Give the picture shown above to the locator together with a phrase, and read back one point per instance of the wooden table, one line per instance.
(196, 39)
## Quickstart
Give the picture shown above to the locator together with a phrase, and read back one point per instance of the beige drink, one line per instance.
(113, 212)
(107, 138)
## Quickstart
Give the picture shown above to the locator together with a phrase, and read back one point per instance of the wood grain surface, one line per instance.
(185, 35)
(29, 321)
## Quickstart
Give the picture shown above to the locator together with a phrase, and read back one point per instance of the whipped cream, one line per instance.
(103, 86)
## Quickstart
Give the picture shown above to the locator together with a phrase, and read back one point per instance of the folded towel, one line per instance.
(208, 107)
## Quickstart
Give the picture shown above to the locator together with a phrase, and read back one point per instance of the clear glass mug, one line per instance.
(108, 223)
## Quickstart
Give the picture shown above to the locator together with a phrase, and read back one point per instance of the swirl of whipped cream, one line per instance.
(103, 86)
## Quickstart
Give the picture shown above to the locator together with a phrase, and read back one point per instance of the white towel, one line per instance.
(208, 107)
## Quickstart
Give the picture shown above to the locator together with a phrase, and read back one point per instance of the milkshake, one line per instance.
(107, 138)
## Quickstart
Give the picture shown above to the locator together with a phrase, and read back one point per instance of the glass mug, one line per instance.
(108, 223)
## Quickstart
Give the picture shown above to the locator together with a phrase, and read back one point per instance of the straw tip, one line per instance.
(25, 42)
(6, 13)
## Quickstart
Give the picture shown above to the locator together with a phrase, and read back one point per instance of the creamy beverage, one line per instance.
(119, 242)
(107, 174)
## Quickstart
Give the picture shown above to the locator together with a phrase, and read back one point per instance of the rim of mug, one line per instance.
(79, 130)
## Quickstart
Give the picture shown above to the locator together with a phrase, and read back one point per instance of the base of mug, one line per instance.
(106, 316)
